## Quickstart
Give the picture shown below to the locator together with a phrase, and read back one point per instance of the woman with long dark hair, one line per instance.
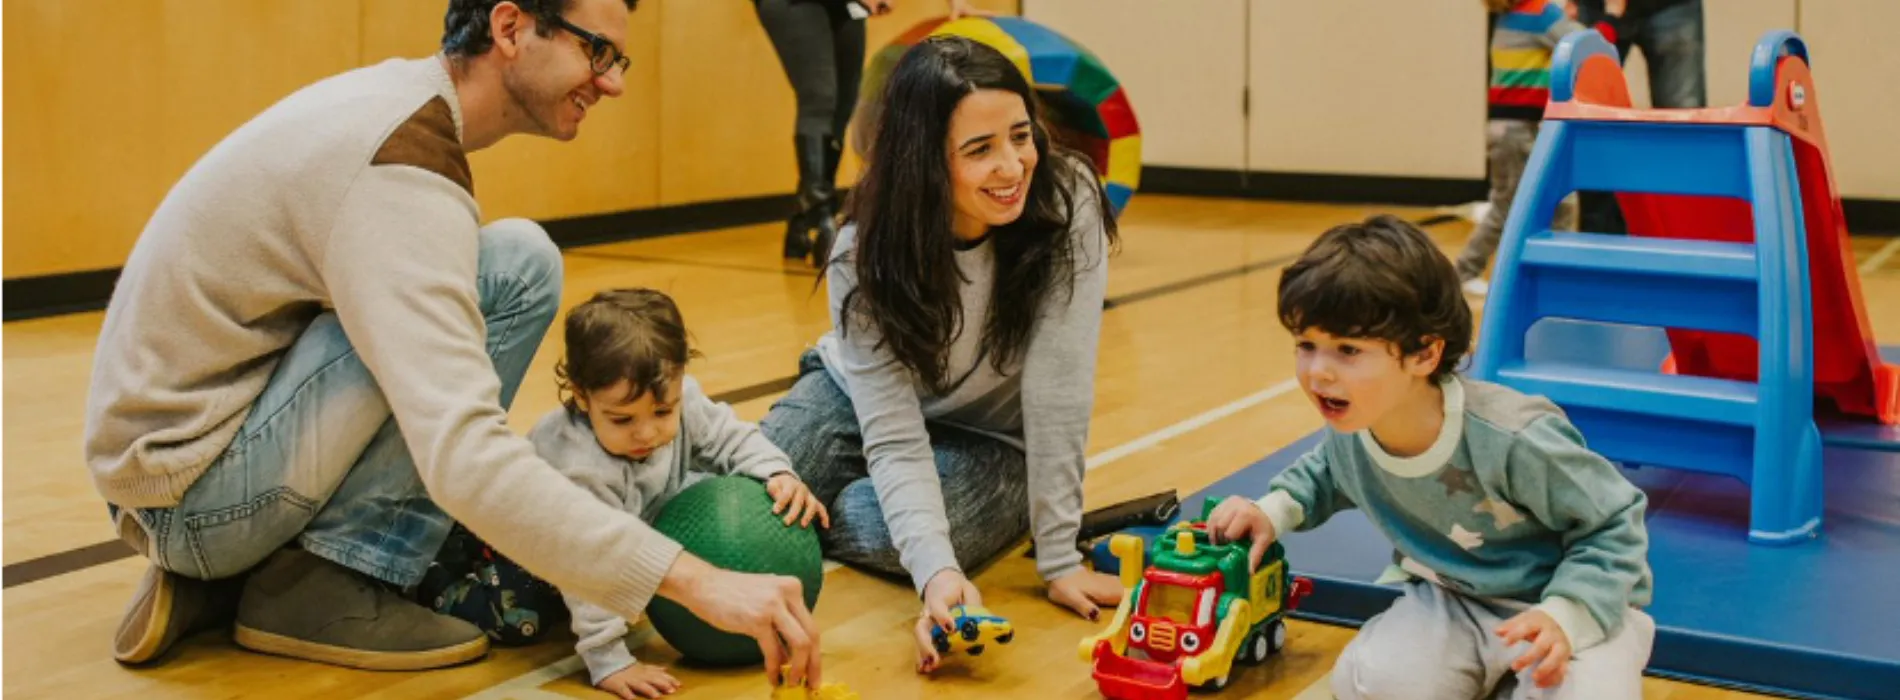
(820, 43)
(945, 414)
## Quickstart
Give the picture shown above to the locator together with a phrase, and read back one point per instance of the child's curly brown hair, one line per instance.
(636, 335)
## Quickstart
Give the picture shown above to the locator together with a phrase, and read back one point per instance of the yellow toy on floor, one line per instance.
(830, 691)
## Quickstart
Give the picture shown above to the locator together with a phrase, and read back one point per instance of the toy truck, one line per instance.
(1190, 614)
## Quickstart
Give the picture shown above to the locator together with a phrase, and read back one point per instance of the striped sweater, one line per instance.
(1521, 44)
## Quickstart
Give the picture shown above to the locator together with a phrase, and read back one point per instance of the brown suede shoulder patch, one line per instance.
(428, 141)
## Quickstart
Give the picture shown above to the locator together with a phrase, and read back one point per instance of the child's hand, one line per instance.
(1237, 518)
(1550, 650)
(640, 681)
(946, 590)
(1084, 590)
(792, 497)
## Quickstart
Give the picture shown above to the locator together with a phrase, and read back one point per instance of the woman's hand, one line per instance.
(946, 590)
(1085, 592)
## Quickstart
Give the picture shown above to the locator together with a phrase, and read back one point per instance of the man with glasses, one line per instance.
(305, 369)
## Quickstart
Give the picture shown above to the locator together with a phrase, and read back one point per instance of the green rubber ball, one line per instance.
(728, 521)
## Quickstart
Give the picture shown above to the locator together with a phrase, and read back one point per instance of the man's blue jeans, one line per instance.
(321, 461)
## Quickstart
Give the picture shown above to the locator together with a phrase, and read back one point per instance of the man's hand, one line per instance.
(1238, 518)
(1085, 592)
(793, 498)
(1550, 648)
(769, 609)
(945, 590)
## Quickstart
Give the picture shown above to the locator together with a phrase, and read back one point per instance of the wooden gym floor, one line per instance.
(1194, 383)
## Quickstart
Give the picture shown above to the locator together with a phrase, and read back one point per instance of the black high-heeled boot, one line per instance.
(827, 230)
(811, 226)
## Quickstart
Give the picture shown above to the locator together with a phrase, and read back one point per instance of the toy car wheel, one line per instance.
(969, 630)
(1006, 638)
(527, 628)
(976, 650)
(942, 644)
(1277, 631)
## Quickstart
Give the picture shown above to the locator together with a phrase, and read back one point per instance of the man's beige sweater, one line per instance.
(353, 194)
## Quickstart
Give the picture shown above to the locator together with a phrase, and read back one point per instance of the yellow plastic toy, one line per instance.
(829, 691)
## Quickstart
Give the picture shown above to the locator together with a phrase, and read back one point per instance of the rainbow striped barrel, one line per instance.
(1084, 105)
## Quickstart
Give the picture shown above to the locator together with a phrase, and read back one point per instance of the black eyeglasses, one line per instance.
(601, 53)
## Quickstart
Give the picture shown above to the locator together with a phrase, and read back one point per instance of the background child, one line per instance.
(1522, 38)
(1518, 546)
(635, 430)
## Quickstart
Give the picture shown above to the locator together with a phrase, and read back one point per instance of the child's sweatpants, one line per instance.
(1508, 145)
(1433, 644)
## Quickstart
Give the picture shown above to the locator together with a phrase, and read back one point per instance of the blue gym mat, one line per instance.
(1820, 619)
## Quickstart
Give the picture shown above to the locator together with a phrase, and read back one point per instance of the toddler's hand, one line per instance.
(793, 498)
(640, 681)
(1550, 648)
(1238, 518)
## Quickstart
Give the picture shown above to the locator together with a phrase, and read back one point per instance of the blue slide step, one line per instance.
(1703, 260)
(1699, 399)
(1622, 279)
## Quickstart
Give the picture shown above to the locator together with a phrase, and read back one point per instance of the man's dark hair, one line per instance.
(1381, 278)
(465, 28)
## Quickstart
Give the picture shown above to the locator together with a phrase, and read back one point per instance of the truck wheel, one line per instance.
(1005, 639)
(1277, 631)
(1254, 649)
(1217, 684)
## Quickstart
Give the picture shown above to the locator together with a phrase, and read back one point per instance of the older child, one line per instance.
(1523, 554)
